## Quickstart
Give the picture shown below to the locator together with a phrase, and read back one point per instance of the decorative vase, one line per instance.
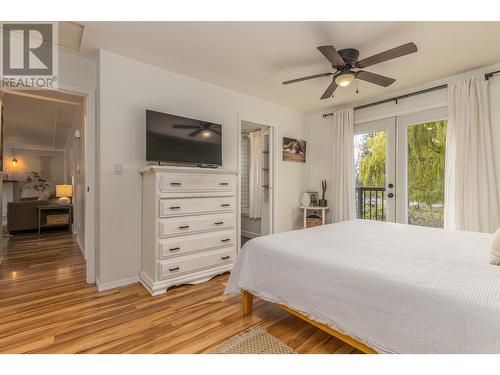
(323, 202)
(306, 200)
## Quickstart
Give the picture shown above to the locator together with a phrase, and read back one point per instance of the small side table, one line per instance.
(322, 209)
(54, 207)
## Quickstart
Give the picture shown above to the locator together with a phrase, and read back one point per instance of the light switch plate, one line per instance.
(118, 169)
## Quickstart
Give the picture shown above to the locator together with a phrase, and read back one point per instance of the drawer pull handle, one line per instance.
(176, 183)
(224, 183)
(226, 239)
(219, 223)
(173, 269)
(183, 226)
(225, 205)
(175, 207)
(174, 248)
(225, 257)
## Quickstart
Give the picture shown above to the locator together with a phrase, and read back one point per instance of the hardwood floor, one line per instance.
(47, 307)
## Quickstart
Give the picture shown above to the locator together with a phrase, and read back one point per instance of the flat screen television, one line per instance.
(176, 139)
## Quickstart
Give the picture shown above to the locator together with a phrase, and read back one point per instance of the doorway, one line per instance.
(50, 136)
(400, 168)
(256, 179)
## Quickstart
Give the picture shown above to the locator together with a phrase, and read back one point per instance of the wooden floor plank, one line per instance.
(46, 306)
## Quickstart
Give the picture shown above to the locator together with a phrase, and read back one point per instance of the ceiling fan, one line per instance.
(346, 60)
(204, 128)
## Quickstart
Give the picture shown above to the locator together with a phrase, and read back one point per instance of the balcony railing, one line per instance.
(370, 203)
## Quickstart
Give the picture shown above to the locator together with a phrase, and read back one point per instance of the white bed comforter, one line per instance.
(397, 288)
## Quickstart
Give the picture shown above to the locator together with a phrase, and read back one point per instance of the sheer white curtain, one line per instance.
(470, 186)
(342, 204)
(255, 173)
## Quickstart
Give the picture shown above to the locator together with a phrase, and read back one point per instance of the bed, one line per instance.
(391, 288)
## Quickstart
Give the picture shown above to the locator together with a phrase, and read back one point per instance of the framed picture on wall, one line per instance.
(294, 150)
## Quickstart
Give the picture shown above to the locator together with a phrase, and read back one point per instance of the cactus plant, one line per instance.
(322, 202)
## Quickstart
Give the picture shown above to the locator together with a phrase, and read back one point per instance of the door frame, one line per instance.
(90, 177)
(389, 126)
(272, 174)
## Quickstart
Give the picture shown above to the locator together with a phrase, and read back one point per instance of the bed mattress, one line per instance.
(397, 288)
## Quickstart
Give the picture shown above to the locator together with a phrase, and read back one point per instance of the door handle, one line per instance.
(175, 183)
(225, 205)
(223, 183)
(183, 226)
(219, 223)
(226, 239)
(173, 269)
(390, 195)
(175, 207)
(174, 248)
(225, 257)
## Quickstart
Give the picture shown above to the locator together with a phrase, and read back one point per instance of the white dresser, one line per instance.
(189, 225)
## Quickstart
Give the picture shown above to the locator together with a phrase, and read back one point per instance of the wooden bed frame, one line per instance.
(247, 298)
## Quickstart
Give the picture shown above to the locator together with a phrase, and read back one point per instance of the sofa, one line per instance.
(23, 214)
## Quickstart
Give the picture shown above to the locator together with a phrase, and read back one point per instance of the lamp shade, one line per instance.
(64, 191)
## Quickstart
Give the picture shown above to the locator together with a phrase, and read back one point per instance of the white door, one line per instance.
(421, 141)
(375, 169)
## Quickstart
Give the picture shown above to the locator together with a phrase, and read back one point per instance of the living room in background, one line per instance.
(42, 151)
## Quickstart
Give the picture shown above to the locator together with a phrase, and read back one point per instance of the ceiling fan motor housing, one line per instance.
(350, 57)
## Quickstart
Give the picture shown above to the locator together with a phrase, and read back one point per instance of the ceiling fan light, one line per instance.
(344, 79)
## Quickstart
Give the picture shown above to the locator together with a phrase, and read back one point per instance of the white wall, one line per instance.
(126, 88)
(320, 132)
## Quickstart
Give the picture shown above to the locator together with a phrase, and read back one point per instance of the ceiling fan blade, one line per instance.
(329, 91)
(390, 54)
(185, 126)
(196, 132)
(332, 55)
(375, 78)
(306, 78)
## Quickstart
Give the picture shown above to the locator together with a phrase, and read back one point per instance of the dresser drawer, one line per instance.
(176, 226)
(176, 246)
(190, 263)
(171, 182)
(193, 206)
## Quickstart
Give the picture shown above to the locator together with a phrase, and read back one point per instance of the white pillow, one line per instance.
(495, 249)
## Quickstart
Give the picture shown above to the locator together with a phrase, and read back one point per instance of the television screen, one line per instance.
(176, 139)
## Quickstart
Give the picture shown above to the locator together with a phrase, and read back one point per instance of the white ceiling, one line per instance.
(39, 120)
(255, 57)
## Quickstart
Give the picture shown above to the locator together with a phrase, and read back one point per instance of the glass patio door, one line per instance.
(421, 139)
(375, 169)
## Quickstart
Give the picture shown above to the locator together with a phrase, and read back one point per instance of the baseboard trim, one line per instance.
(244, 233)
(101, 287)
(82, 250)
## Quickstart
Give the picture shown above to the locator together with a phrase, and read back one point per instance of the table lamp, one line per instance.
(64, 192)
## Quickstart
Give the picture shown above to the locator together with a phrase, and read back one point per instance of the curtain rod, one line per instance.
(487, 76)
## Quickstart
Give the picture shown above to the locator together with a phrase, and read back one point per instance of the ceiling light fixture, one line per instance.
(205, 134)
(344, 79)
(14, 160)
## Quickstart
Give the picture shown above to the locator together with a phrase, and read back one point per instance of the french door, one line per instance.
(375, 169)
(399, 168)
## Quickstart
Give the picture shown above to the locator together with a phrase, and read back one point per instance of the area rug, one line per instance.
(254, 341)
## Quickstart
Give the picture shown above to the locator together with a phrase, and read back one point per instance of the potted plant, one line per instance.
(322, 202)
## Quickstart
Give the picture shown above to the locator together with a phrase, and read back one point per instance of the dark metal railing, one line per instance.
(370, 203)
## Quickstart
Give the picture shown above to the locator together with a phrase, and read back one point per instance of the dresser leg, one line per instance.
(247, 298)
